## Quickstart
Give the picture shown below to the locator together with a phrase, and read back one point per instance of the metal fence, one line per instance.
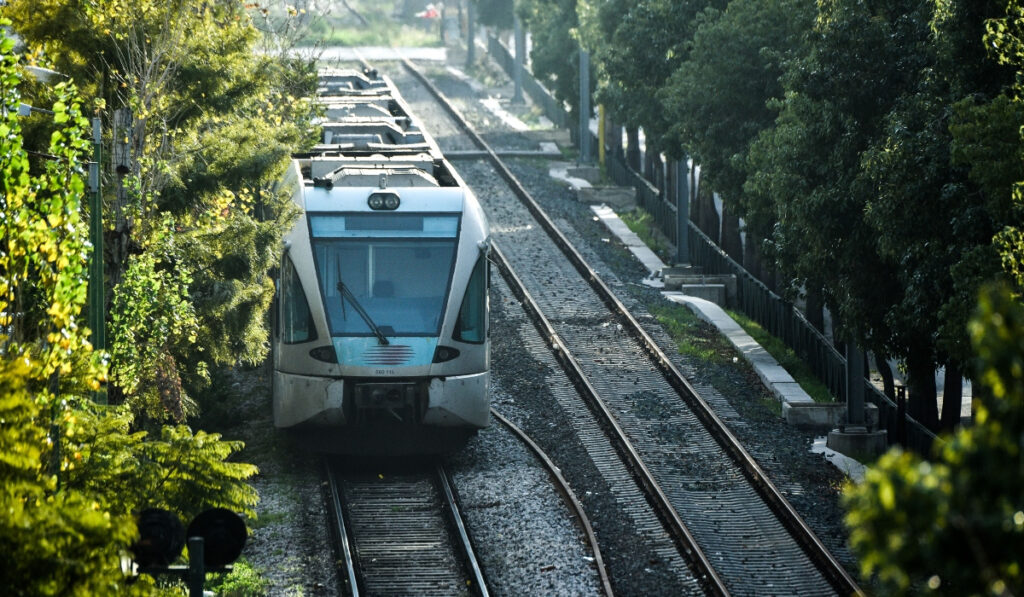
(776, 315)
(553, 109)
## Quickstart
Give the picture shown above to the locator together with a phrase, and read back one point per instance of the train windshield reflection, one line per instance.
(397, 266)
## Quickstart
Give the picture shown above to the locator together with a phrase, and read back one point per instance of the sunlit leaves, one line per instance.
(953, 526)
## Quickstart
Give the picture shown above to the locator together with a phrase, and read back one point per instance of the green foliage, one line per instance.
(737, 58)
(495, 13)
(152, 318)
(555, 54)
(242, 581)
(1005, 37)
(955, 526)
(204, 127)
(58, 541)
(182, 471)
(637, 45)
(72, 474)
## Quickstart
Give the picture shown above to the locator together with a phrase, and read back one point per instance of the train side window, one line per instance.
(472, 322)
(296, 320)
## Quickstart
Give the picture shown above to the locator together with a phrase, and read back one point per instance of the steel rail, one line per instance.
(341, 532)
(569, 495)
(798, 528)
(699, 563)
(479, 583)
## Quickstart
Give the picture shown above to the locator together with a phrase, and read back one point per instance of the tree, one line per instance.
(944, 244)
(955, 526)
(637, 46)
(717, 101)
(555, 55)
(496, 13)
(201, 126)
(808, 181)
(71, 473)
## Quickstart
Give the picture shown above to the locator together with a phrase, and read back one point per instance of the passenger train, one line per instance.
(381, 340)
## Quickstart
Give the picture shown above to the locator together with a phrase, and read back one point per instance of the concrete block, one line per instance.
(618, 198)
(858, 443)
(675, 277)
(818, 416)
(709, 292)
(591, 174)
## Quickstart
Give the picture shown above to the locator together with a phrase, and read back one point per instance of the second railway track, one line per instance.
(751, 535)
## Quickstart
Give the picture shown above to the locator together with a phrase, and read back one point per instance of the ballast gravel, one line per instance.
(527, 540)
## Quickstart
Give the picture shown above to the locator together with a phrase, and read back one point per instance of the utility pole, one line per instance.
(97, 299)
(520, 36)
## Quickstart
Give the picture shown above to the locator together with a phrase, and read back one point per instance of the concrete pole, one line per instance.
(682, 213)
(471, 34)
(854, 386)
(584, 124)
(520, 36)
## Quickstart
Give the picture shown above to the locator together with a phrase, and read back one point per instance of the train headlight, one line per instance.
(324, 353)
(444, 353)
(385, 201)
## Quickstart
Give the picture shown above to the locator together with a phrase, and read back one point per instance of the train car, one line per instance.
(381, 338)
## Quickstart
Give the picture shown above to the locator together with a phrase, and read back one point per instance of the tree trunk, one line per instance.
(707, 216)
(731, 242)
(749, 255)
(888, 382)
(952, 397)
(922, 404)
(648, 171)
(633, 148)
(613, 136)
(814, 310)
(668, 175)
(122, 164)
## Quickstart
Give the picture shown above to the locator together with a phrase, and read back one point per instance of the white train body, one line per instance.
(382, 294)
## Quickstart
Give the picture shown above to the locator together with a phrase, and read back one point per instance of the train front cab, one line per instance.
(331, 368)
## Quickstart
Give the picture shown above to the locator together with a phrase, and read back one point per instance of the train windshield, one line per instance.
(394, 267)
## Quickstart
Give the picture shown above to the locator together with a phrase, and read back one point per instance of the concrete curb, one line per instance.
(798, 408)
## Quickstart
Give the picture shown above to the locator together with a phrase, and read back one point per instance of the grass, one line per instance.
(341, 28)
(642, 224)
(679, 325)
(692, 336)
(785, 356)
(242, 581)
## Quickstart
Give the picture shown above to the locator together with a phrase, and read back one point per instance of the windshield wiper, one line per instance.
(347, 294)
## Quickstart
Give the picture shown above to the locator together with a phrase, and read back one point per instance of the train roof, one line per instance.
(368, 133)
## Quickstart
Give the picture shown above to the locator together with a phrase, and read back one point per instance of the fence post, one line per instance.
(520, 35)
(682, 213)
(584, 123)
(854, 385)
(901, 415)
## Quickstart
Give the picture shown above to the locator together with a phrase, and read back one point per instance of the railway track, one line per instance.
(401, 533)
(737, 532)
